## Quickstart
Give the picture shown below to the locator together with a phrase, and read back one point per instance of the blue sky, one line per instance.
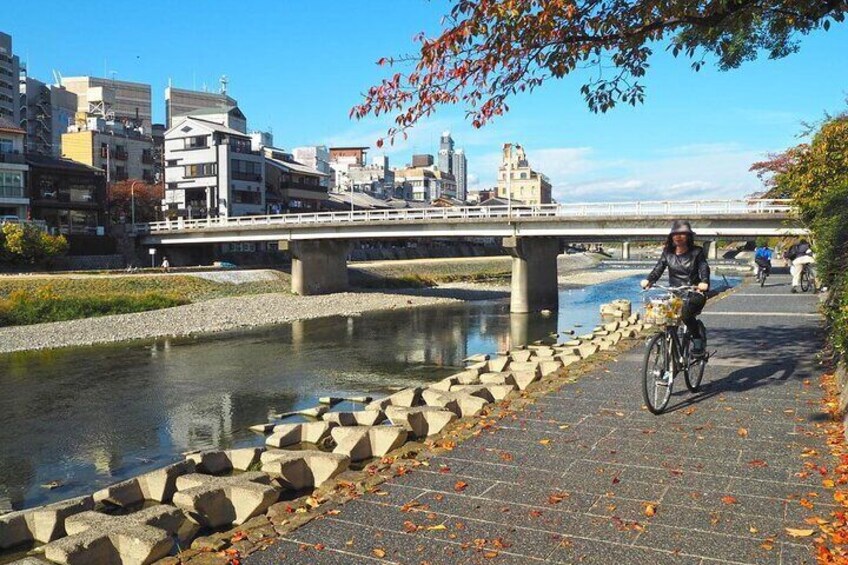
(298, 66)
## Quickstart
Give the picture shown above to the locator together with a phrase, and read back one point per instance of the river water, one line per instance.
(87, 417)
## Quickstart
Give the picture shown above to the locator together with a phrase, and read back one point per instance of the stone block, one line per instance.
(543, 351)
(612, 326)
(305, 432)
(420, 421)
(298, 470)
(365, 442)
(216, 462)
(549, 367)
(314, 412)
(41, 524)
(460, 403)
(444, 384)
(159, 485)
(498, 364)
(532, 366)
(520, 356)
(478, 358)
(614, 337)
(467, 378)
(495, 378)
(586, 337)
(523, 379)
(569, 359)
(586, 350)
(214, 502)
(332, 400)
(406, 397)
(357, 418)
(478, 368)
(572, 343)
(133, 539)
(602, 345)
(489, 393)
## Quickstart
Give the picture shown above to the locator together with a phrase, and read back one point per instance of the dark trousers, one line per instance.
(692, 306)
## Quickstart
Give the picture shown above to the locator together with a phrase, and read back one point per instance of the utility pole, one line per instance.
(509, 183)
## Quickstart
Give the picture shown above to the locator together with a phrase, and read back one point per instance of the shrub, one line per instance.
(25, 243)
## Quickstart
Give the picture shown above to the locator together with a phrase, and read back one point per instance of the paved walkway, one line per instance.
(571, 480)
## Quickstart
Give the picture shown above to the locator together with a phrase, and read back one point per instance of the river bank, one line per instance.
(243, 311)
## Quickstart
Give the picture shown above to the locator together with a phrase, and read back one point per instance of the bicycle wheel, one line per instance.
(657, 378)
(805, 279)
(695, 371)
(762, 277)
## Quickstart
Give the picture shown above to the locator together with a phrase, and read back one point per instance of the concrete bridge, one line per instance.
(534, 235)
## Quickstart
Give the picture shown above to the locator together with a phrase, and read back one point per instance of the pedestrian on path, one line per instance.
(166, 265)
(687, 266)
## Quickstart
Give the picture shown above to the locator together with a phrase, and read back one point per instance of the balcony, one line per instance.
(120, 154)
(13, 157)
(250, 177)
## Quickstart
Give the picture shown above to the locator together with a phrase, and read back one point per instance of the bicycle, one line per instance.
(808, 280)
(669, 351)
(762, 274)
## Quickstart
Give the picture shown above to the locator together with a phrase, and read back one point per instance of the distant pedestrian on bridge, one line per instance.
(687, 266)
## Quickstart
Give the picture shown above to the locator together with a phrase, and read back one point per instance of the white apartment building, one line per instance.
(9, 71)
(424, 184)
(376, 179)
(13, 168)
(211, 170)
(315, 157)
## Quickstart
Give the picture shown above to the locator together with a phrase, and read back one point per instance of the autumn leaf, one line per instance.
(409, 526)
(378, 552)
(490, 554)
(799, 533)
(437, 528)
(650, 509)
(757, 463)
(742, 432)
(545, 441)
(728, 499)
(460, 486)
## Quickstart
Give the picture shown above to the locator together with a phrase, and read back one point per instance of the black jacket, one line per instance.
(690, 268)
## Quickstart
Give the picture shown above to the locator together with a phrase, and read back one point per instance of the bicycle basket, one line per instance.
(665, 311)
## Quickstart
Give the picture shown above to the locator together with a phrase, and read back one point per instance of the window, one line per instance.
(6, 145)
(195, 142)
(173, 186)
(11, 185)
(173, 162)
(201, 170)
(246, 197)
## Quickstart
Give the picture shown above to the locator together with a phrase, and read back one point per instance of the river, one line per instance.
(87, 417)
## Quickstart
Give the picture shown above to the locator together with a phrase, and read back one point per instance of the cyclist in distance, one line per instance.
(687, 266)
(762, 257)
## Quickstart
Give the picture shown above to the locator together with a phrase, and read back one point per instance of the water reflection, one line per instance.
(91, 416)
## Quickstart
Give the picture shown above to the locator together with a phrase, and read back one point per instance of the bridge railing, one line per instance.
(676, 208)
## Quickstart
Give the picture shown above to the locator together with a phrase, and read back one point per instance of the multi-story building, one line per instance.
(180, 102)
(376, 179)
(454, 162)
(518, 181)
(291, 186)
(9, 72)
(261, 139)
(13, 169)
(424, 160)
(231, 117)
(315, 157)
(69, 197)
(124, 102)
(159, 152)
(121, 152)
(424, 184)
(211, 170)
(341, 159)
(46, 111)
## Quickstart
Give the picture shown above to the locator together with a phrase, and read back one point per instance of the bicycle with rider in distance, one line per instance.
(808, 279)
(762, 274)
(669, 351)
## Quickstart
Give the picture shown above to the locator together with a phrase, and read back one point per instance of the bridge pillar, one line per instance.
(534, 273)
(712, 249)
(319, 266)
(625, 250)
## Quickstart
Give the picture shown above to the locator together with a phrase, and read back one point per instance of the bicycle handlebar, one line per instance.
(670, 288)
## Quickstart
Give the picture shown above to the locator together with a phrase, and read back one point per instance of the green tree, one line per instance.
(490, 50)
(26, 243)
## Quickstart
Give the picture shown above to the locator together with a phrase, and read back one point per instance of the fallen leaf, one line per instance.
(650, 509)
(742, 432)
(320, 546)
(799, 533)
(768, 544)
(490, 554)
(727, 499)
(758, 463)
(752, 529)
(556, 498)
(828, 483)
(410, 526)
(437, 528)
(545, 441)
(378, 552)
(460, 486)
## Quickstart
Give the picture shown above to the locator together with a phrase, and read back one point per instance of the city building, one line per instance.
(128, 103)
(159, 152)
(211, 170)
(13, 169)
(341, 159)
(315, 157)
(454, 162)
(69, 197)
(424, 183)
(261, 139)
(46, 112)
(9, 73)
(123, 153)
(376, 179)
(180, 102)
(291, 186)
(231, 117)
(424, 161)
(518, 181)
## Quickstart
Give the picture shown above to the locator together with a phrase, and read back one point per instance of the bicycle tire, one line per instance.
(762, 277)
(650, 385)
(805, 280)
(693, 375)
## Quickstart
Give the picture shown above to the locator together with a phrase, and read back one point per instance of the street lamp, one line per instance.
(132, 201)
(509, 183)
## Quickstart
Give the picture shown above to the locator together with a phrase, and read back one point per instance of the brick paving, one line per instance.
(719, 468)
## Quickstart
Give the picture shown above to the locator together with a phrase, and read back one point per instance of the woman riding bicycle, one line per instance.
(687, 266)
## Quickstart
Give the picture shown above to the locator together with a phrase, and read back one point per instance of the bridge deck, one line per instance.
(721, 467)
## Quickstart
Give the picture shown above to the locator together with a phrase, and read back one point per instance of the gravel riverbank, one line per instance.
(241, 312)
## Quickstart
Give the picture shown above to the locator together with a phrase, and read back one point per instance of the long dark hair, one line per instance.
(669, 242)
